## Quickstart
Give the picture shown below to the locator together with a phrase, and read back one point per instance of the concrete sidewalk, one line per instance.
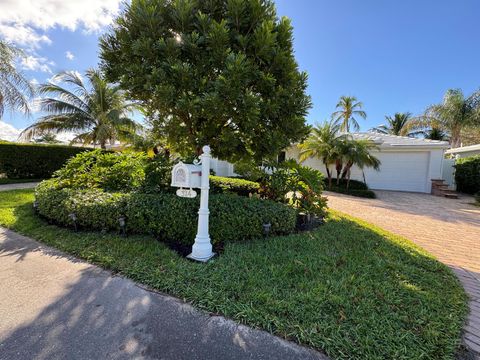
(6, 187)
(56, 307)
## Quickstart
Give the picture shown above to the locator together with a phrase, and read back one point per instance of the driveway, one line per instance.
(56, 307)
(7, 187)
(447, 228)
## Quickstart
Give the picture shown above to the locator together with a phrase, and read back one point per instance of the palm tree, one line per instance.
(99, 112)
(322, 143)
(401, 124)
(349, 108)
(15, 89)
(435, 133)
(360, 154)
(454, 114)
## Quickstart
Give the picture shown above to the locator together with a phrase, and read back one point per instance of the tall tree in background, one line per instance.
(221, 73)
(349, 109)
(15, 89)
(98, 110)
(401, 124)
(454, 115)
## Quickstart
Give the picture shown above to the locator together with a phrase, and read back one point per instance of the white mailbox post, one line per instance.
(196, 176)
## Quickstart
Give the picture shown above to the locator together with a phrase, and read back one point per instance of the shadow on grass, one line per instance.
(348, 289)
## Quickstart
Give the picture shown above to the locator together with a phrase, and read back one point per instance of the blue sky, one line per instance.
(394, 56)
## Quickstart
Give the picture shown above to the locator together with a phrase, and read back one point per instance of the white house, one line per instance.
(407, 164)
(464, 151)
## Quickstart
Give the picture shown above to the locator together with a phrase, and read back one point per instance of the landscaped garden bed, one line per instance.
(355, 188)
(347, 288)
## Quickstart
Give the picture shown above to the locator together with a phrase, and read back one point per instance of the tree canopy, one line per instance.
(212, 72)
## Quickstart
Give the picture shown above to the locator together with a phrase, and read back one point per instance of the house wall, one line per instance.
(404, 169)
(465, 154)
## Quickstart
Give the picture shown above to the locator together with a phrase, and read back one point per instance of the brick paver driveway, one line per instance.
(447, 228)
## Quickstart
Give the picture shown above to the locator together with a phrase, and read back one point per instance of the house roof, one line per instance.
(463, 149)
(393, 141)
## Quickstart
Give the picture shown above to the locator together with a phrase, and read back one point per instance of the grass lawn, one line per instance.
(348, 288)
(4, 181)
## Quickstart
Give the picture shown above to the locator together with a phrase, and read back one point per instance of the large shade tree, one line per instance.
(98, 111)
(212, 72)
(15, 89)
(349, 109)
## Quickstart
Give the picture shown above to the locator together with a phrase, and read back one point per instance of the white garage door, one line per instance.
(404, 171)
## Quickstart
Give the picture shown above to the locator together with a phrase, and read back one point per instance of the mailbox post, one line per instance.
(186, 177)
(202, 248)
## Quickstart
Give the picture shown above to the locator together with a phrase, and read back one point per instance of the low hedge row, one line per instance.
(467, 174)
(165, 215)
(241, 187)
(355, 188)
(34, 161)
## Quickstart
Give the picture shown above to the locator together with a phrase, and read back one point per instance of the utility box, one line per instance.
(186, 175)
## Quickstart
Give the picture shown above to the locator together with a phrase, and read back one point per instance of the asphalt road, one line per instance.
(56, 307)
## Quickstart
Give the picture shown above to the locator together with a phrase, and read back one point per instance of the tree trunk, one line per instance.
(338, 168)
(103, 146)
(347, 169)
(329, 175)
(348, 179)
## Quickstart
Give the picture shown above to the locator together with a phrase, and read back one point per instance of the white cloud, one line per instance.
(37, 63)
(25, 21)
(69, 55)
(22, 35)
(8, 132)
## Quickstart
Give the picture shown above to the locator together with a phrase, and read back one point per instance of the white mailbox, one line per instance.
(186, 175)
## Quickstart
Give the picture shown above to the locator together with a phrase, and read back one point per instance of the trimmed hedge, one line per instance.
(34, 161)
(242, 187)
(166, 216)
(467, 174)
(356, 188)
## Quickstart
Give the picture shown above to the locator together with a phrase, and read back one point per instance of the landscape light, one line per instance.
(123, 226)
(73, 217)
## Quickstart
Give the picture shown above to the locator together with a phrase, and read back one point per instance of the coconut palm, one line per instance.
(401, 124)
(348, 110)
(99, 112)
(323, 143)
(360, 154)
(15, 89)
(454, 114)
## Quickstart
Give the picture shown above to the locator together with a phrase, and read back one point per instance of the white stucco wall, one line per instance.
(403, 169)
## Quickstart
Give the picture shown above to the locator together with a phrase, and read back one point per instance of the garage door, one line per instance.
(404, 171)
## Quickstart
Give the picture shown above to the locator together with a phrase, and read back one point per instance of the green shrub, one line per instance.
(167, 216)
(467, 174)
(158, 175)
(477, 198)
(354, 184)
(34, 161)
(241, 187)
(301, 186)
(110, 171)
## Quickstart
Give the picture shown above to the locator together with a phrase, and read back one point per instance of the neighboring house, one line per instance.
(464, 151)
(408, 164)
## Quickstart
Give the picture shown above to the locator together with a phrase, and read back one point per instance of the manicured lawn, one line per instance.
(348, 288)
(4, 181)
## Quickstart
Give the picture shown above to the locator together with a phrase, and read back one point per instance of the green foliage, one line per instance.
(467, 174)
(28, 161)
(212, 72)
(249, 170)
(241, 187)
(158, 174)
(98, 110)
(348, 109)
(356, 188)
(342, 289)
(167, 216)
(301, 186)
(110, 171)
